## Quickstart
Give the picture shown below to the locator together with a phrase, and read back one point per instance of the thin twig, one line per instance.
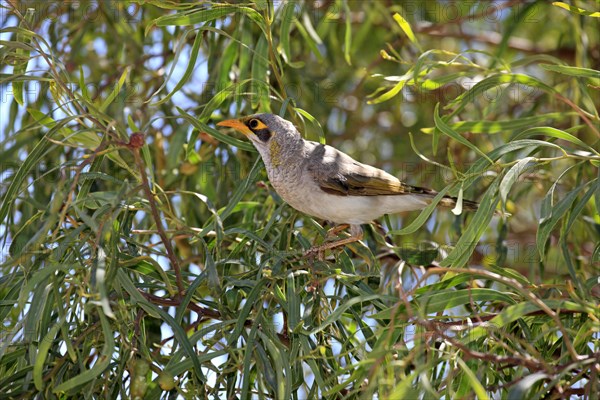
(135, 143)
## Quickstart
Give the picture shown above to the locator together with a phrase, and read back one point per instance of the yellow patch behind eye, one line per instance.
(259, 125)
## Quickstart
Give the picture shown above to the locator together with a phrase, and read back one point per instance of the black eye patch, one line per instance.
(263, 134)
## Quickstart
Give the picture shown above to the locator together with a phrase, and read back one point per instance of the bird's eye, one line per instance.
(253, 124)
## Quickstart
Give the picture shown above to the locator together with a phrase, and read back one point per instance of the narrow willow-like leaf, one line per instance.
(293, 303)
(33, 158)
(248, 362)
(474, 383)
(24, 37)
(423, 216)
(335, 315)
(520, 390)
(405, 26)
(314, 121)
(191, 65)
(101, 364)
(281, 363)
(574, 215)
(512, 175)
(309, 40)
(445, 128)
(193, 17)
(42, 354)
(520, 310)
(484, 126)
(596, 195)
(241, 190)
(549, 221)
(395, 90)
(287, 18)
(576, 10)
(439, 297)
(189, 294)
(215, 133)
(572, 71)
(348, 33)
(555, 133)
(183, 340)
(114, 91)
(434, 302)
(493, 81)
(465, 246)
(477, 170)
(260, 67)
(251, 302)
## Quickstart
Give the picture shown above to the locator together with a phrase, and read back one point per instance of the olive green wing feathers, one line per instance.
(339, 174)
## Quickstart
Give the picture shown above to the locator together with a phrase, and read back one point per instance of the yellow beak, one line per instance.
(238, 125)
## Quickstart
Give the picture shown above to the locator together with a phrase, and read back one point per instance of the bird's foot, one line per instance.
(333, 232)
(319, 251)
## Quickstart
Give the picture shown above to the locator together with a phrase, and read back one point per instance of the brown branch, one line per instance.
(135, 143)
(205, 313)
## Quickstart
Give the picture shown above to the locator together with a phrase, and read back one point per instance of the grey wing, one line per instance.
(339, 174)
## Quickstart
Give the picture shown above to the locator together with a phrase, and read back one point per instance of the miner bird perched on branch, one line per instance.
(326, 183)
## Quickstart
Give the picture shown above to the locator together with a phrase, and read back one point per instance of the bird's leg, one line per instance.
(336, 229)
(356, 234)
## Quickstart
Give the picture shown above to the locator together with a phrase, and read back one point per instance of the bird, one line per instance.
(324, 182)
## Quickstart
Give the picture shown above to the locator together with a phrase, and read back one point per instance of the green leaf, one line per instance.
(551, 215)
(183, 340)
(191, 65)
(445, 128)
(251, 302)
(260, 67)
(423, 216)
(490, 127)
(573, 71)
(24, 36)
(348, 33)
(114, 92)
(474, 383)
(520, 390)
(42, 354)
(33, 159)
(512, 175)
(555, 133)
(576, 10)
(477, 170)
(215, 133)
(481, 87)
(465, 246)
(287, 18)
(431, 300)
(209, 14)
(314, 121)
(336, 314)
(395, 90)
(520, 310)
(405, 26)
(241, 189)
(310, 40)
(434, 302)
(596, 195)
(99, 367)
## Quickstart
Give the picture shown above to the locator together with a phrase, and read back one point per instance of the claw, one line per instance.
(356, 234)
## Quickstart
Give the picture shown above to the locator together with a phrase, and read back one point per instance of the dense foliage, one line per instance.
(145, 255)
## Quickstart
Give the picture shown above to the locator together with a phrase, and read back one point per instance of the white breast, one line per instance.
(301, 192)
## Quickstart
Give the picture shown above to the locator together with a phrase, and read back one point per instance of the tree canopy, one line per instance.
(144, 254)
